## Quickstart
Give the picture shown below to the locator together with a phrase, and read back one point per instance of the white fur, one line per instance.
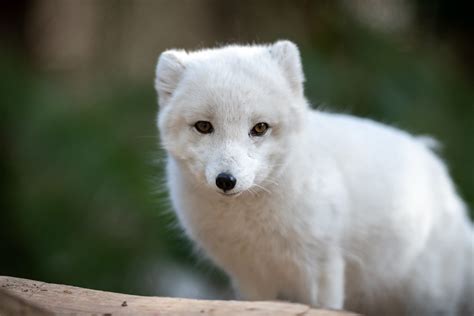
(329, 210)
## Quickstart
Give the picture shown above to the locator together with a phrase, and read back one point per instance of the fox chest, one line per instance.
(254, 241)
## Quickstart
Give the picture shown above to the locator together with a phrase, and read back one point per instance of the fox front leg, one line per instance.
(325, 288)
(331, 283)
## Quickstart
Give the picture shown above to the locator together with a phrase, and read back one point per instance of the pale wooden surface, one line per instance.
(27, 297)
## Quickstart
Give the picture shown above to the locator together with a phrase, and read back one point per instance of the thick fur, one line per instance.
(329, 209)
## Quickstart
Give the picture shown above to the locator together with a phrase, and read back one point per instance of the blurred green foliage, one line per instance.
(83, 200)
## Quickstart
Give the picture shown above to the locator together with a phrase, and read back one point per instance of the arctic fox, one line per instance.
(325, 209)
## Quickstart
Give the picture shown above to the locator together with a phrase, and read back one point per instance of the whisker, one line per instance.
(263, 188)
(249, 190)
(272, 181)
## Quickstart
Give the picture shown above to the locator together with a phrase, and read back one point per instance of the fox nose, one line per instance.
(225, 181)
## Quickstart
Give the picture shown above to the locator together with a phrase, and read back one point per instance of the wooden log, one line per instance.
(27, 297)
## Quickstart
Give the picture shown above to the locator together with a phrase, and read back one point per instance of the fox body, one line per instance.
(325, 209)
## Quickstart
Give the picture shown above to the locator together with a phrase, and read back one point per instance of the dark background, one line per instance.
(82, 200)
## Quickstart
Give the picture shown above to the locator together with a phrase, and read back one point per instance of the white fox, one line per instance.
(325, 209)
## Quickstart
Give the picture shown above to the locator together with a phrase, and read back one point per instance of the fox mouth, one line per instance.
(230, 194)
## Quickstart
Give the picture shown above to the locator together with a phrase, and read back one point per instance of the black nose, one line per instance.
(225, 181)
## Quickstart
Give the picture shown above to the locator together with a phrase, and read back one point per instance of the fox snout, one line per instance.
(230, 170)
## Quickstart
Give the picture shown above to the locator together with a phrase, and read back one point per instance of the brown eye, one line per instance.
(204, 127)
(259, 129)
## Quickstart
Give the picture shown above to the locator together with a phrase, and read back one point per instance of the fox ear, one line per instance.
(287, 55)
(169, 70)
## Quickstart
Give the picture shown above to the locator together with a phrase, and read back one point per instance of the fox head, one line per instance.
(227, 115)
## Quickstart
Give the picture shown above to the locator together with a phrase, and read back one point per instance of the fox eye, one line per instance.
(204, 127)
(259, 129)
